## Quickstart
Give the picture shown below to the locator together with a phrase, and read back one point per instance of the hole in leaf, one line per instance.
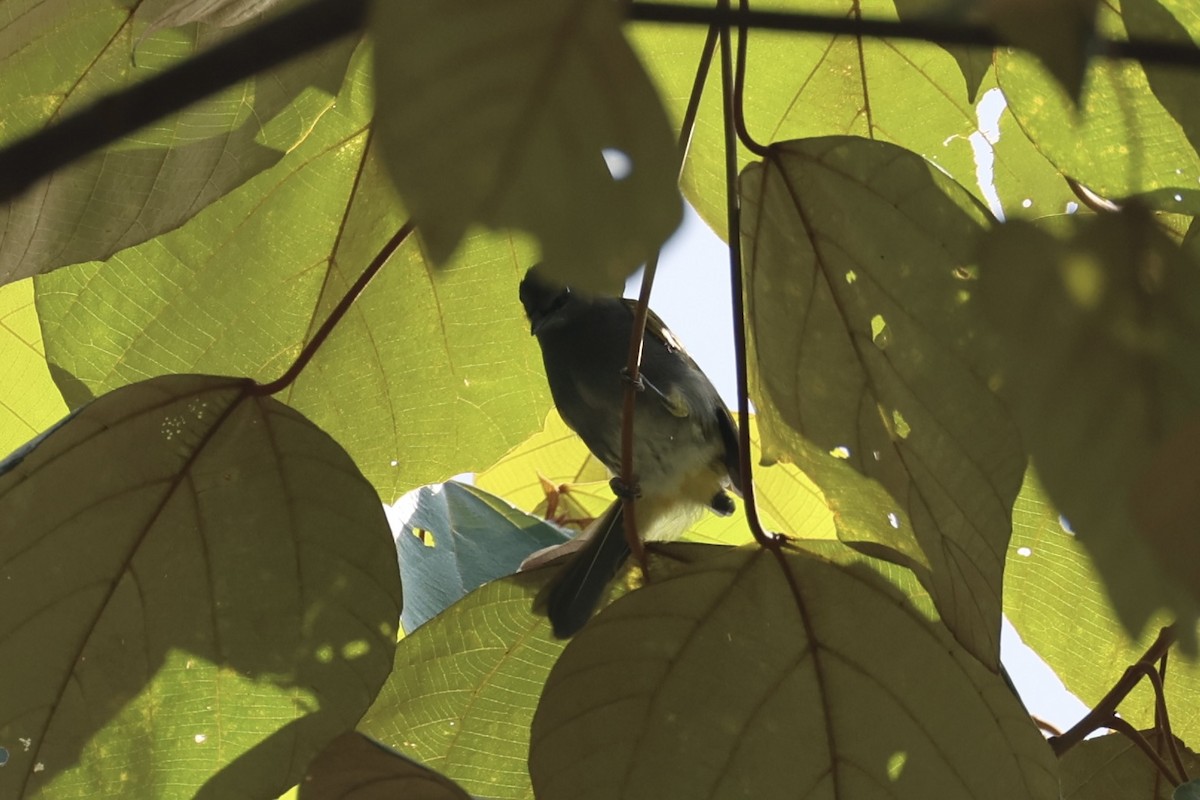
(620, 165)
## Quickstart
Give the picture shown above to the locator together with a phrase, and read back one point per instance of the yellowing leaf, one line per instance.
(744, 676)
(485, 110)
(197, 588)
(29, 400)
(859, 286)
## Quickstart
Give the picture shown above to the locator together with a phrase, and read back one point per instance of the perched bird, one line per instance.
(685, 451)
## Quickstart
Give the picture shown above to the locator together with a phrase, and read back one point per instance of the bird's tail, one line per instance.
(572, 596)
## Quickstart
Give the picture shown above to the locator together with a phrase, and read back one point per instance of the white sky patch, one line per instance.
(983, 141)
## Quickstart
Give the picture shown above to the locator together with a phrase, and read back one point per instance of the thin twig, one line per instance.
(1134, 735)
(734, 221)
(642, 310)
(121, 113)
(1162, 719)
(1099, 716)
(739, 91)
(335, 315)
(1045, 725)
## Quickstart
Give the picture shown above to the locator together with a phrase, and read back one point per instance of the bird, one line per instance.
(685, 442)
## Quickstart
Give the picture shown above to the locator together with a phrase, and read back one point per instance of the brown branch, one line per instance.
(739, 91)
(1132, 734)
(119, 114)
(734, 221)
(642, 310)
(1100, 715)
(1045, 725)
(1162, 719)
(337, 313)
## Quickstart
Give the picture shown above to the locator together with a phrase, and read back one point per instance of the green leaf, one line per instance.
(199, 590)
(1187, 791)
(748, 676)
(859, 288)
(461, 696)
(457, 538)
(353, 767)
(69, 54)
(1122, 138)
(1114, 768)
(1060, 33)
(903, 92)
(242, 286)
(1055, 599)
(29, 400)
(1099, 336)
(487, 110)
(973, 61)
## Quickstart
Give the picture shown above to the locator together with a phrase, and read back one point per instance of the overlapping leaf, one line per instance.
(1056, 600)
(859, 281)
(486, 110)
(197, 591)
(1099, 333)
(354, 767)
(1114, 768)
(742, 676)
(907, 93)
(67, 54)
(430, 374)
(1135, 128)
(462, 694)
(453, 539)
(29, 400)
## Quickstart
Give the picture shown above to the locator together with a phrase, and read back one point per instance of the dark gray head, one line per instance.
(542, 297)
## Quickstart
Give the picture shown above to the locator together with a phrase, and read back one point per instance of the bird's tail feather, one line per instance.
(571, 598)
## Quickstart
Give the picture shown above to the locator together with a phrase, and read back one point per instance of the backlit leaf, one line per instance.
(198, 590)
(487, 109)
(859, 286)
(744, 676)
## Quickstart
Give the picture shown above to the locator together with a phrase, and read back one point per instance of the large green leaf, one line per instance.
(1057, 602)
(29, 400)
(69, 53)
(1134, 129)
(429, 374)
(1099, 331)
(488, 110)
(198, 589)
(859, 287)
(461, 696)
(908, 93)
(751, 676)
